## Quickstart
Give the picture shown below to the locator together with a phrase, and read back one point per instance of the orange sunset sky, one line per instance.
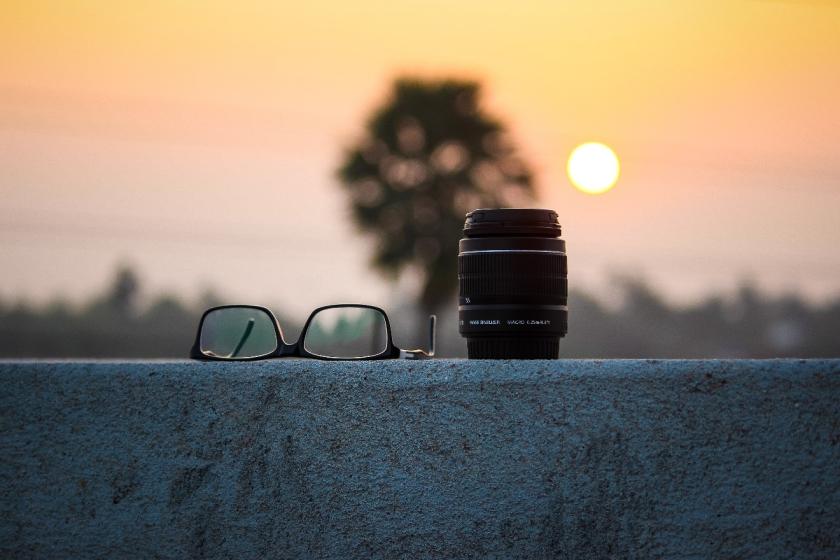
(198, 140)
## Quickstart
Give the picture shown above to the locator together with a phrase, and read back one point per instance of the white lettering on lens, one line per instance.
(484, 322)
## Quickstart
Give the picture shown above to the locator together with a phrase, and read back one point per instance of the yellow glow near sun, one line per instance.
(593, 168)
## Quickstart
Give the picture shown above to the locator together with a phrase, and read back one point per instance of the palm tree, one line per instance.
(429, 155)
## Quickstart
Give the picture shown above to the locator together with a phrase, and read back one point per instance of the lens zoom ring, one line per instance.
(513, 274)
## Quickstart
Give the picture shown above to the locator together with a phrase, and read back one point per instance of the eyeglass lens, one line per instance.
(238, 332)
(347, 332)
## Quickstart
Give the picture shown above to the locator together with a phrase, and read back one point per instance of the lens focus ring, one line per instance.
(512, 277)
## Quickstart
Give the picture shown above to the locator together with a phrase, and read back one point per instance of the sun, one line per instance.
(593, 168)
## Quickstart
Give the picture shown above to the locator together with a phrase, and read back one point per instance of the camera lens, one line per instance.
(512, 284)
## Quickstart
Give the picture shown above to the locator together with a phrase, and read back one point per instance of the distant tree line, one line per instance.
(114, 324)
(747, 324)
(110, 325)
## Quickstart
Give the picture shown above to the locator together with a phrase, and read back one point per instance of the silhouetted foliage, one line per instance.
(123, 294)
(744, 325)
(111, 325)
(430, 155)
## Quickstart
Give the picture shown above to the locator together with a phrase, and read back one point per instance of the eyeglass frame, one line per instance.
(298, 350)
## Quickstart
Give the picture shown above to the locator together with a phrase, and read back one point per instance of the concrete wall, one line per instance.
(438, 459)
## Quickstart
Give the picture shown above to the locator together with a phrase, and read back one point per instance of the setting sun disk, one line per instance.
(593, 168)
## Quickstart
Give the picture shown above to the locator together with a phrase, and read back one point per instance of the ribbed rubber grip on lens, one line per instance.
(540, 276)
(513, 348)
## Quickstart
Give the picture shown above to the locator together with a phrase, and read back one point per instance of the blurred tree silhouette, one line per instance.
(429, 155)
(124, 291)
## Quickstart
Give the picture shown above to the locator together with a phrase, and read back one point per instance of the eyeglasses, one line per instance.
(333, 332)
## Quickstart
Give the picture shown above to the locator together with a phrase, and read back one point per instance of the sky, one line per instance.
(198, 140)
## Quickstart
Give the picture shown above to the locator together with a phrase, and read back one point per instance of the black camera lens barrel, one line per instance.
(512, 274)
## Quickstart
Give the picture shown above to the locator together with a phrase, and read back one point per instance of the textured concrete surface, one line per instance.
(439, 459)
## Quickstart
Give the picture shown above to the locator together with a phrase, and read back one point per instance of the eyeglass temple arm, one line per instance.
(432, 335)
(421, 354)
(248, 328)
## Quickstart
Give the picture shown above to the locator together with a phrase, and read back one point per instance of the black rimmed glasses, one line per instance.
(334, 332)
